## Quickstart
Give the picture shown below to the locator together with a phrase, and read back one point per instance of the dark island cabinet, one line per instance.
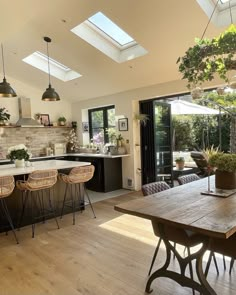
(108, 173)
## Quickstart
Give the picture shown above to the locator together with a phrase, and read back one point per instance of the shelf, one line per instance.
(39, 126)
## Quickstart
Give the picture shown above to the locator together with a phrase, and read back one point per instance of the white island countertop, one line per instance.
(95, 155)
(10, 169)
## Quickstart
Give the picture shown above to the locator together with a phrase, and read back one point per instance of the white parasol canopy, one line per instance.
(181, 107)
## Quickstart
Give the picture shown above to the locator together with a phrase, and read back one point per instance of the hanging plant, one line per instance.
(142, 118)
(209, 57)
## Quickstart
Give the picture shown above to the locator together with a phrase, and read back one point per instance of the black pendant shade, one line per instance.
(5, 89)
(50, 94)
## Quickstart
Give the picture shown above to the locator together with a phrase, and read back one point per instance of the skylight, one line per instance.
(102, 33)
(111, 29)
(57, 69)
(221, 16)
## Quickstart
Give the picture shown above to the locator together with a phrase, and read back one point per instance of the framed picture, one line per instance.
(85, 127)
(44, 118)
(123, 124)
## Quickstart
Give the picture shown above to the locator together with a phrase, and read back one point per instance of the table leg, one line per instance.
(202, 286)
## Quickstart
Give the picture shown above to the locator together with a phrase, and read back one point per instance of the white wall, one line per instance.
(54, 109)
(126, 104)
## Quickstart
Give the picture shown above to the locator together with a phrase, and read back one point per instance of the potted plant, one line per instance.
(179, 163)
(4, 116)
(19, 154)
(62, 121)
(225, 170)
(142, 118)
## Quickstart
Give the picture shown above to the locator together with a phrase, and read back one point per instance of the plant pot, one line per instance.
(225, 180)
(20, 163)
(180, 165)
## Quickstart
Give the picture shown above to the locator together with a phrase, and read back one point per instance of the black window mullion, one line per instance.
(105, 122)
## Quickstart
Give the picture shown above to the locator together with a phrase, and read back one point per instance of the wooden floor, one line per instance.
(109, 255)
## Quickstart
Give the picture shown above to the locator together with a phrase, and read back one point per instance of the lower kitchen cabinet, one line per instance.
(108, 173)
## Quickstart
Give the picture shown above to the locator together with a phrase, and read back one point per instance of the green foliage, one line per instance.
(179, 160)
(209, 152)
(4, 115)
(223, 162)
(209, 57)
(19, 152)
(142, 118)
(61, 119)
(183, 133)
(113, 135)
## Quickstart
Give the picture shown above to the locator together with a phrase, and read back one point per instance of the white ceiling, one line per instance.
(165, 28)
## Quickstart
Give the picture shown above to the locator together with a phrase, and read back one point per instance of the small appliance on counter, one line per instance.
(49, 151)
(59, 148)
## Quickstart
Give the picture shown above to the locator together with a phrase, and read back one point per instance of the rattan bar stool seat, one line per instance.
(7, 185)
(76, 179)
(39, 182)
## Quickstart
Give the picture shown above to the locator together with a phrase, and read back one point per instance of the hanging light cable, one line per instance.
(50, 94)
(5, 89)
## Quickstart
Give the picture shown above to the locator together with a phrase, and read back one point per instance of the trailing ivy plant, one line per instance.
(209, 57)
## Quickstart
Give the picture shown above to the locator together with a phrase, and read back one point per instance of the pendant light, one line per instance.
(5, 88)
(50, 94)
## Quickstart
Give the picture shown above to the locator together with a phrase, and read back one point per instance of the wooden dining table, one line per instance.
(185, 209)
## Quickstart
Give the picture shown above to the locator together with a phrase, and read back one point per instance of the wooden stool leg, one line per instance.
(91, 206)
(63, 204)
(73, 202)
(8, 216)
(24, 198)
(52, 208)
(32, 213)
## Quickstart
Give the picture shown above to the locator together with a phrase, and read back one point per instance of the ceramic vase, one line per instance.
(20, 163)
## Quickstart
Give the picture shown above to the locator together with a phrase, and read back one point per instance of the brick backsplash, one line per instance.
(36, 139)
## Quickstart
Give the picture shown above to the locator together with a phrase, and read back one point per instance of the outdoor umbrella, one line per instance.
(181, 107)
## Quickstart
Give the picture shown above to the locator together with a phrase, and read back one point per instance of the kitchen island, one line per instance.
(108, 168)
(14, 201)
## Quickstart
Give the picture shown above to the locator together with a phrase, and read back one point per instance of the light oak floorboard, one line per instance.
(109, 255)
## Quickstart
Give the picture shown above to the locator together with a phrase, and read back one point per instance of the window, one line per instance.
(57, 69)
(102, 33)
(221, 16)
(110, 29)
(99, 120)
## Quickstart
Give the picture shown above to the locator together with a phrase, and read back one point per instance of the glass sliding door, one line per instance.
(156, 144)
(163, 142)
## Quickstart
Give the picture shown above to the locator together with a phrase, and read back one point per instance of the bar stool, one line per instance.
(38, 183)
(76, 179)
(7, 185)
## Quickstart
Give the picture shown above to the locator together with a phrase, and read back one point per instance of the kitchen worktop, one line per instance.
(10, 169)
(72, 155)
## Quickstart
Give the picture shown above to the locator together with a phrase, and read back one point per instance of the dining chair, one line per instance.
(76, 179)
(187, 178)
